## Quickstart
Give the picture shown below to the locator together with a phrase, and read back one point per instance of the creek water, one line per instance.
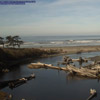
(51, 84)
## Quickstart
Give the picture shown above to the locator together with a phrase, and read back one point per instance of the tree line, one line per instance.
(11, 41)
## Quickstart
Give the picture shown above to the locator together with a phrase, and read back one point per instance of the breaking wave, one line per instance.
(61, 43)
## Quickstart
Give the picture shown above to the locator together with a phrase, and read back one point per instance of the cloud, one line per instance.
(58, 16)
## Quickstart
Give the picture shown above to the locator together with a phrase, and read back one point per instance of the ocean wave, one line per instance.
(63, 43)
(57, 42)
(82, 41)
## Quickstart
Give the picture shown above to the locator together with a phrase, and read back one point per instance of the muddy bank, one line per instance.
(96, 58)
(11, 57)
(4, 96)
(74, 49)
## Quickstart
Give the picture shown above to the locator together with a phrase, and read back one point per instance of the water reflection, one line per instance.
(51, 84)
(71, 77)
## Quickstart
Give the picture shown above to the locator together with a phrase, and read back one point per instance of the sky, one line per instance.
(51, 17)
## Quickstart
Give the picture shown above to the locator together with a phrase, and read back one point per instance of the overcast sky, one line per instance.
(51, 17)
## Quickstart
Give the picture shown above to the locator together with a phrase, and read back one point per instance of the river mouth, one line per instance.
(51, 84)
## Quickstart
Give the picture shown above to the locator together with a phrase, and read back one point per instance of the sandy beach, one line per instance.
(73, 49)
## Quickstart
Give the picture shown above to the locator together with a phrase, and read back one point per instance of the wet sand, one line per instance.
(74, 49)
(96, 58)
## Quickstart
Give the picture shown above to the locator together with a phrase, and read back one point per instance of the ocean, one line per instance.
(59, 41)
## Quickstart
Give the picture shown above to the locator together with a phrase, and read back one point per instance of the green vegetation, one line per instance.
(15, 54)
(11, 41)
(1, 41)
(11, 56)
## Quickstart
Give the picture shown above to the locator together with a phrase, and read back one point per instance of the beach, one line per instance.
(73, 49)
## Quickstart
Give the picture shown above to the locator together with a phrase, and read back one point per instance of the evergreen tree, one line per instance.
(1, 41)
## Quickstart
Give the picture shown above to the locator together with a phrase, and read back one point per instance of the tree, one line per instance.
(13, 41)
(17, 41)
(10, 41)
(1, 41)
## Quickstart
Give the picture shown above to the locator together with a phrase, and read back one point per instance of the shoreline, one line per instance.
(73, 49)
(15, 56)
(4, 96)
(47, 52)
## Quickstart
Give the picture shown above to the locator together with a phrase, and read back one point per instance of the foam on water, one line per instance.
(52, 41)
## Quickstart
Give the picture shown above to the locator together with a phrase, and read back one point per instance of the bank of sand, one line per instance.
(74, 49)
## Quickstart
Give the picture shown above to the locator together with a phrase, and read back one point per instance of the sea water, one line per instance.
(51, 84)
(59, 41)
